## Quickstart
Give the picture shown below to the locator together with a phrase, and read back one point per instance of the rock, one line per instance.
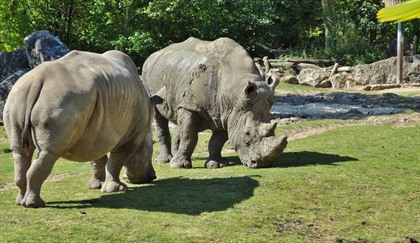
(324, 84)
(343, 80)
(312, 77)
(290, 79)
(385, 71)
(7, 84)
(381, 72)
(11, 62)
(376, 87)
(40, 46)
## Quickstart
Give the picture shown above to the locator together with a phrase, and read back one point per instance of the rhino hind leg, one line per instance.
(98, 176)
(188, 136)
(38, 172)
(164, 138)
(113, 168)
(215, 160)
(22, 163)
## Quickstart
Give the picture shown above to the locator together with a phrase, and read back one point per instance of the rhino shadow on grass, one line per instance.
(305, 158)
(297, 159)
(175, 195)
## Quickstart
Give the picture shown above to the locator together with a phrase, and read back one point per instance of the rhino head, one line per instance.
(249, 128)
(139, 168)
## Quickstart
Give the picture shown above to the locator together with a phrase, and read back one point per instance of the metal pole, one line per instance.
(400, 52)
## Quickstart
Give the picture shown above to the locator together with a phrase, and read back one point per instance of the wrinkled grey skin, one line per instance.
(80, 107)
(40, 46)
(212, 85)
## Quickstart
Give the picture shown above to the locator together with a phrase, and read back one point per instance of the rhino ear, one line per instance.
(158, 97)
(273, 79)
(250, 89)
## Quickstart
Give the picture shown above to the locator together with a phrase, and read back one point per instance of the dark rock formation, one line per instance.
(40, 46)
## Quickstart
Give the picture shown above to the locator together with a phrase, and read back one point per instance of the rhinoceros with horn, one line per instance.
(212, 85)
(80, 107)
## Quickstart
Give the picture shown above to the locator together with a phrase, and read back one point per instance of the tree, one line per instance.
(329, 22)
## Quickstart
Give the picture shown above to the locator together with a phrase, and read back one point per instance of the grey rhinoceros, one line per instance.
(80, 107)
(212, 85)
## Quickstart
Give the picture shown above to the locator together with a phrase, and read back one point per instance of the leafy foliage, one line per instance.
(140, 27)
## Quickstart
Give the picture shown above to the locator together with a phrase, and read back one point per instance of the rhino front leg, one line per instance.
(188, 136)
(164, 138)
(175, 141)
(22, 162)
(113, 168)
(98, 176)
(38, 172)
(217, 140)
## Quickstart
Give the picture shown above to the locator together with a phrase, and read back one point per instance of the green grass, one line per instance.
(355, 183)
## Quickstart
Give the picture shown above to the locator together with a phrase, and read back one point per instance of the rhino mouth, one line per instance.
(259, 162)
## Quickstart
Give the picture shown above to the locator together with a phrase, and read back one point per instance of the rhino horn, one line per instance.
(272, 147)
(267, 129)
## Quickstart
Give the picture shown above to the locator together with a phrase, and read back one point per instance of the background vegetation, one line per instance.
(345, 30)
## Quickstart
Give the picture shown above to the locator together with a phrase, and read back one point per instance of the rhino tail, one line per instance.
(31, 99)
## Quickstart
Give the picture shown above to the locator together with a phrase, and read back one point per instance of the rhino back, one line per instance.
(88, 104)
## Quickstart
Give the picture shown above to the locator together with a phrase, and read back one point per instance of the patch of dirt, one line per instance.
(341, 105)
(398, 120)
(357, 108)
(300, 133)
(58, 177)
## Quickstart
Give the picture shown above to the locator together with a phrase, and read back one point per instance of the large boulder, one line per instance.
(40, 46)
(385, 71)
(11, 62)
(316, 77)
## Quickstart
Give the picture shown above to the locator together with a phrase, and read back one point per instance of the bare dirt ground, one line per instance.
(362, 107)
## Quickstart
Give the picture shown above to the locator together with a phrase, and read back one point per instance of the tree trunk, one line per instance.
(328, 15)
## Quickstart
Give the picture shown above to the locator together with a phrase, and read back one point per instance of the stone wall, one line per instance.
(381, 72)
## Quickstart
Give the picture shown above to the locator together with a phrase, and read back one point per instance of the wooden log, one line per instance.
(345, 69)
(312, 61)
(267, 65)
(376, 87)
(295, 65)
(334, 70)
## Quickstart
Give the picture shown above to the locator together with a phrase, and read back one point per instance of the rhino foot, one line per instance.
(32, 202)
(212, 164)
(19, 199)
(181, 164)
(95, 183)
(113, 186)
(161, 159)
